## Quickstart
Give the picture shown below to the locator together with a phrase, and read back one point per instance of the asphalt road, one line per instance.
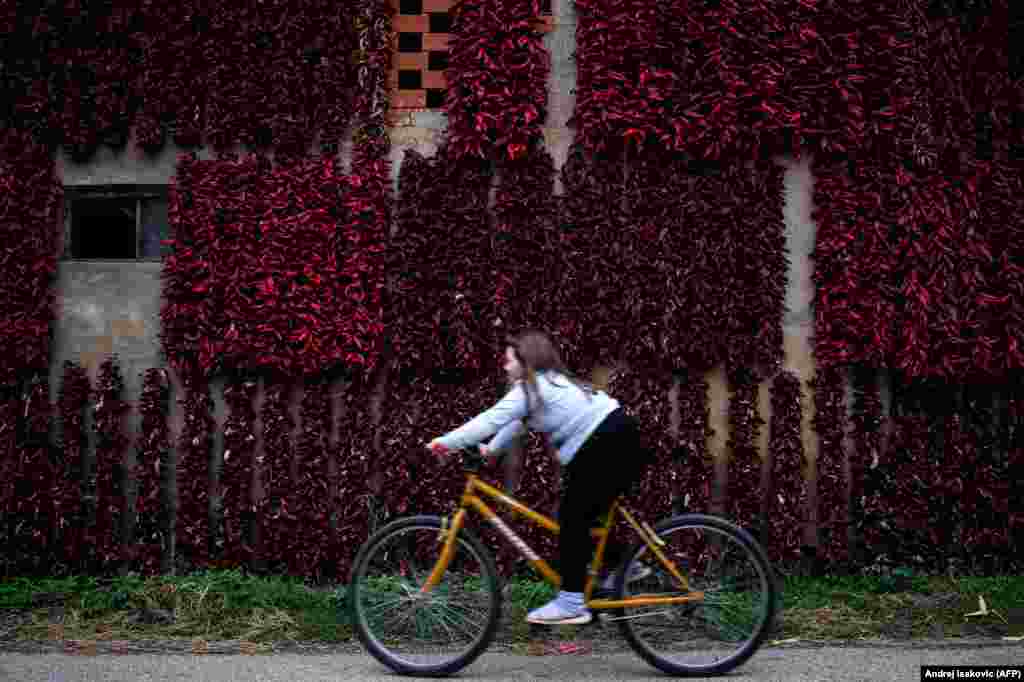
(792, 664)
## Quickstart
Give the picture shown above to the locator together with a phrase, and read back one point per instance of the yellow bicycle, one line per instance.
(425, 596)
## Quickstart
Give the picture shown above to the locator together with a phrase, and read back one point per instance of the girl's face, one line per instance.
(512, 366)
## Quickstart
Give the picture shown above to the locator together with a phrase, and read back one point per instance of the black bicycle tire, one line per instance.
(751, 647)
(382, 654)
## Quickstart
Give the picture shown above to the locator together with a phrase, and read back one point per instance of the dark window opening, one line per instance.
(103, 229)
(116, 223)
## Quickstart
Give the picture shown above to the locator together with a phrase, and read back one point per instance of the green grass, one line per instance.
(211, 605)
(850, 607)
(219, 605)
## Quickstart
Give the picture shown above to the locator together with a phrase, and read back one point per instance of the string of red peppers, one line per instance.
(1014, 462)
(365, 474)
(622, 83)
(697, 466)
(744, 478)
(652, 196)
(9, 498)
(982, 499)
(280, 522)
(524, 248)
(497, 78)
(32, 512)
(313, 498)
(193, 473)
(867, 435)
(75, 389)
(855, 293)
(672, 203)
(829, 425)
(152, 449)
(591, 279)
(187, 327)
(416, 339)
(442, 228)
(757, 265)
(646, 397)
(787, 492)
(369, 200)
(109, 410)
(237, 473)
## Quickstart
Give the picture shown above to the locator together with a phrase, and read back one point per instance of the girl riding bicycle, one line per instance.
(597, 443)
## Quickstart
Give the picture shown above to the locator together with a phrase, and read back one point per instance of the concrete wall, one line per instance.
(114, 307)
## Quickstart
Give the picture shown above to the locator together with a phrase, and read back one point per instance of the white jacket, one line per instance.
(567, 413)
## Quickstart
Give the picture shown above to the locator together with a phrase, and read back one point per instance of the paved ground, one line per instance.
(787, 663)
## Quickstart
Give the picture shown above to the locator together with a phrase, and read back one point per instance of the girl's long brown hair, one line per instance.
(537, 353)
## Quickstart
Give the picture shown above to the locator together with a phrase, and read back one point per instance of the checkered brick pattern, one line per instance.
(422, 28)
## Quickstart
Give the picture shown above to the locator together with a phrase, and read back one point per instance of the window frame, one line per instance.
(139, 193)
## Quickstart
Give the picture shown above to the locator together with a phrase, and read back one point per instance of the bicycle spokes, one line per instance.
(726, 621)
(415, 626)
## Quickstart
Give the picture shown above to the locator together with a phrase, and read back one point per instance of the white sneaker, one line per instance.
(638, 570)
(560, 611)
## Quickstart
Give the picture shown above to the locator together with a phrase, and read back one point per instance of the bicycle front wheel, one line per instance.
(432, 634)
(711, 635)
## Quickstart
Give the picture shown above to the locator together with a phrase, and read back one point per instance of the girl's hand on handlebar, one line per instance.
(484, 450)
(437, 448)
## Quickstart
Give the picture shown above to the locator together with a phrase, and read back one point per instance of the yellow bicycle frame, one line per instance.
(472, 499)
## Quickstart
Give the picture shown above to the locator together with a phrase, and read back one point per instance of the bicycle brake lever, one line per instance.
(472, 460)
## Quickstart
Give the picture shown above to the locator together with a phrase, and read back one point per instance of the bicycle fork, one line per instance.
(448, 536)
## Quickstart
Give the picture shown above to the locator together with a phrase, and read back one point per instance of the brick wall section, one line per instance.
(417, 81)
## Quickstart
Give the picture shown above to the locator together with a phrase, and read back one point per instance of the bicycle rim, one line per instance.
(718, 633)
(433, 634)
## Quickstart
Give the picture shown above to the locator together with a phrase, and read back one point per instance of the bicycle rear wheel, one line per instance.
(707, 637)
(432, 634)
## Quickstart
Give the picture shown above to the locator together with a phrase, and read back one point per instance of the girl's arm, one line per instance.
(508, 411)
(508, 433)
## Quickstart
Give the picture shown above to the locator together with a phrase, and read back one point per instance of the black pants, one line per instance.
(606, 466)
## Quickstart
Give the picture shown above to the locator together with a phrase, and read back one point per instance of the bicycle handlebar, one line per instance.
(472, 460)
